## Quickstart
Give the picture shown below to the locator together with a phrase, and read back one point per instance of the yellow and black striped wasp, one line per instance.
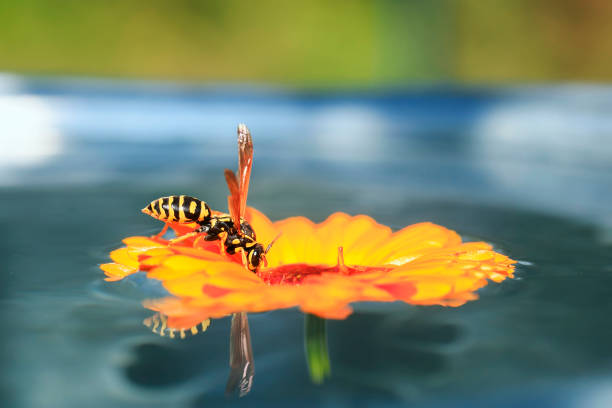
(234, 232)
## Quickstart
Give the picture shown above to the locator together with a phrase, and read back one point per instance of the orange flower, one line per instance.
(321, 268)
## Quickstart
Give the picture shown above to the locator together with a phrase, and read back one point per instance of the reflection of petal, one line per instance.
(422, 264)
(114, 271)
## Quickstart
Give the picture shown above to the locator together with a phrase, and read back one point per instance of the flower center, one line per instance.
(294, 274)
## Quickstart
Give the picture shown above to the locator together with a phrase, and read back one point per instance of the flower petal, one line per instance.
(412, 242)
(115, 272)
(125, 256)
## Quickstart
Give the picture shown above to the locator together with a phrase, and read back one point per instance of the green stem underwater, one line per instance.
(315, 345)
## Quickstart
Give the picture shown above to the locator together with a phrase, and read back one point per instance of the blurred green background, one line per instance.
(313, 43)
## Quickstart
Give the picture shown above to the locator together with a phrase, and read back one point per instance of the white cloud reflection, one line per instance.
(551, 151)
(28, 131)
(349, 133)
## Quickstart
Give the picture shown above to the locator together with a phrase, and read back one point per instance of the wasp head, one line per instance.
(256, 255)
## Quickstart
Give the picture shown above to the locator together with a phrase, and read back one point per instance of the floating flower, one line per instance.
(320, 268)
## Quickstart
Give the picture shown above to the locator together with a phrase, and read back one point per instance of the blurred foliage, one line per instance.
(311, 43)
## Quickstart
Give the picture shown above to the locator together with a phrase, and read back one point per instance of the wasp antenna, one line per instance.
(272, 242)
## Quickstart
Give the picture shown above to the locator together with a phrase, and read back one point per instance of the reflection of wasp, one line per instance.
(235, 233)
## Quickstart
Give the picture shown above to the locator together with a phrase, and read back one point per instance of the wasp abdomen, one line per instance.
(179, 208)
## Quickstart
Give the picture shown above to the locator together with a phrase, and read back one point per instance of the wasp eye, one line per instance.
(255, 256)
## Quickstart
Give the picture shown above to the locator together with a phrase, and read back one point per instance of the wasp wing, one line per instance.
(245, 162)
(233, 200)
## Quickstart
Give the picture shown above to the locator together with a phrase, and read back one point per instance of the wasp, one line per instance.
(184, 209)
(235, 233)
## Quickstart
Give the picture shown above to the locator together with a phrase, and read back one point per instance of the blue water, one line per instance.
(528, 169)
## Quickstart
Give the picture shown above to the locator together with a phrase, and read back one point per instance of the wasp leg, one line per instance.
(183, 237)
(197, 240)
(199, 230)
(162, 232)
(222, 239)
(245, 262)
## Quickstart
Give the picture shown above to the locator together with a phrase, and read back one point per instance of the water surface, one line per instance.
(527, 169)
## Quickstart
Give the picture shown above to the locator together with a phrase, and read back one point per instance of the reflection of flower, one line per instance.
(321, 268)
